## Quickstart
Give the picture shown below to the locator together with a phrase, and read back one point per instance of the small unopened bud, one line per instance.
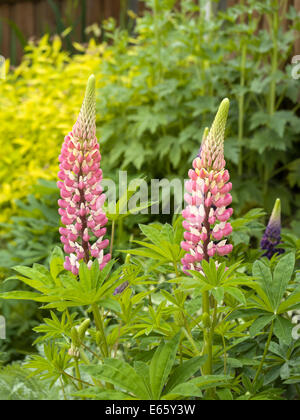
(75, 337)
(74, 352)
(83, 328)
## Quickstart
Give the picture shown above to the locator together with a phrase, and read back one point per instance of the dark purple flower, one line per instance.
(271, 237)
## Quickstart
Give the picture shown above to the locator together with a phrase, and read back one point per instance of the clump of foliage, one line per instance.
(147, 341)
(162, 84)
(159, 326)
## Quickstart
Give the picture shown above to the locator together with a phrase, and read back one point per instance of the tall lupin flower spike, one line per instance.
(206, 215)
(271, 237)
(80, 190)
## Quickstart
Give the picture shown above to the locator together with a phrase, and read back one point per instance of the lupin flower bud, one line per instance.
(80, 190)
(121, 288)
(207, 213)
(271, 237)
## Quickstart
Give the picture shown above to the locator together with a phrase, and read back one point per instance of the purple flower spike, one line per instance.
(271, 237)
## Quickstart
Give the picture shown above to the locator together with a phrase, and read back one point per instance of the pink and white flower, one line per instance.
(82, 198)
(208, 197)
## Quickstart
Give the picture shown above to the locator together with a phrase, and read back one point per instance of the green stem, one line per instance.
(63, 389)
(78, 372)
(76, 379)
(112, 237)
(272, 92)
(123, 12)
(120, 230)
(157, 36)
(100, 328)
(265, 353)
(273, 22)
(241, 105)
(207, 350)
(225, 354)
(176, 269)
(91, 351)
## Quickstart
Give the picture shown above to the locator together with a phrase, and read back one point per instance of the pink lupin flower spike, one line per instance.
(80, 190)
(206, 215)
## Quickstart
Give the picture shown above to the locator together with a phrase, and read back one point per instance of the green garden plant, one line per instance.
(171, 322)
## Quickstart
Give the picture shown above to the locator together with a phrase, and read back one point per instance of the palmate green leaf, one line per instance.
(183, 390)
(151, 233)
(263, 272)
(20, 295)
(289, 303)
(161, 250)
(281, 277)
(143, 371)
(120, 210)
(246, 313)
(55, 328)
(218, 294)
(171, 298)
(260, 323)
(283, 330)
(210, 381)
(34, 278)
(96, 393)
(120, 374)
(236, 293)
(56, 263)
(183, 372)
(93, 286)
(145, 252)
(52, 365)
(162, 245)
(225, 394)
(161, 365)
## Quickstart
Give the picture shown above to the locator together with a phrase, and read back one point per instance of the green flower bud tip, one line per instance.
(276, 212)
(85, 126)
(217, 130)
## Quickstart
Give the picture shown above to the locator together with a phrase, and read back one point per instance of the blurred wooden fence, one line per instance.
(22, 19)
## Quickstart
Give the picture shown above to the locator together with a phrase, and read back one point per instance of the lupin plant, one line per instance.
(82, 198)
(271, 237)
(206, 215)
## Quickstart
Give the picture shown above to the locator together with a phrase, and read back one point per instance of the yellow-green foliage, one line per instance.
(39, 102)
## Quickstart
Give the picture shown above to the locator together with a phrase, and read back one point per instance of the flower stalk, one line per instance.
(206, 216)
(82, 198)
